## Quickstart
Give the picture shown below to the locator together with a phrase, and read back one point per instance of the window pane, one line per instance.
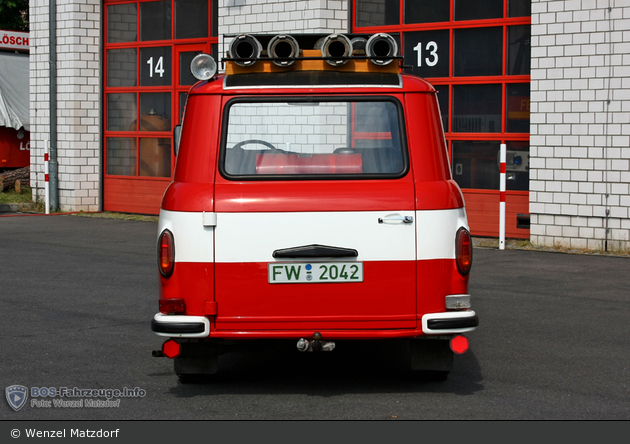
(477, 108)
(519, 8)
(377, 12)
(313, 138)
(122, 67)
(214, 24)
(155, 66)
(121, 156)
(427, 11)
(427, 53)
(517, 166)
(478, 52)
(122, 23)
(191, 19)
(121, 112)
(443, 101)
(475, 164)
(155, 157)
(519, 50)
(182, 106)
(517, 108)
(155, 21)
(478, 9)
(185, 76)
(155, 112)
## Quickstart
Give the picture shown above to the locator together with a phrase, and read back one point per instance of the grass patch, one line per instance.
(118, 216)
(10, 196)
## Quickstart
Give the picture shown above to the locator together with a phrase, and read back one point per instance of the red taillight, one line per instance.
(171, 349)
(463, 251)
(166, 253)
(172, 306)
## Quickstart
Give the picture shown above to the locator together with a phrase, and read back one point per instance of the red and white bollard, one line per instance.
(502, 198)
(46, 185)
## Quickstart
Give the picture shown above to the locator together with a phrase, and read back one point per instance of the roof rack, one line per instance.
(312, 52)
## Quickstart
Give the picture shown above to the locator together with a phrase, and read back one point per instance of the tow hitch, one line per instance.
(315, 344)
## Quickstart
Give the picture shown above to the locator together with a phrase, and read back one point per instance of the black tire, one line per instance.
(432, 359)
(194, 378)
(432, 375)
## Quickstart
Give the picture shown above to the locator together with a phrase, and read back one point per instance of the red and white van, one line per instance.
(313, 201)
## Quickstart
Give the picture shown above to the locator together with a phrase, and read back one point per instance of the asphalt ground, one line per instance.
(77, 296)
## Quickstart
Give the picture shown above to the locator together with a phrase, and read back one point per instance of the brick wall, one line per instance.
(78, 105)
(276, 16)
(580, 123)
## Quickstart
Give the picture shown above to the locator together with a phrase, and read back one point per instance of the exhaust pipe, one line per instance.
(335, 45)
(245, 46)
(283, 47)
(380, 47)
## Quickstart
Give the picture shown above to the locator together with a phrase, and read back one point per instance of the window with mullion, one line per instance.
(139, 80)
(477, 53)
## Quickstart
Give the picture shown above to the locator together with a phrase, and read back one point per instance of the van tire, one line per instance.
(193, 378)
(432, 375)
(431, 358)
(196, 362)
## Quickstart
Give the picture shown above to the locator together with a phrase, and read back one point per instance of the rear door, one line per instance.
(315, 216)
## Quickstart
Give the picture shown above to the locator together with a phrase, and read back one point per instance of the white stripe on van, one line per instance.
(252, 237)
(193, 241)
(436, 232)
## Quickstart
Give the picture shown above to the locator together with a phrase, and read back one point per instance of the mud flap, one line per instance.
(196, 359)
(433, 355)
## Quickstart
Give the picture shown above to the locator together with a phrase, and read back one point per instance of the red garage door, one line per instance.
(477, 55)
(148, 49)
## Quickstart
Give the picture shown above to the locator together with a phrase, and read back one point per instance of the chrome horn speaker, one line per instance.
(283, 47)
(245, 46)
(381, 48)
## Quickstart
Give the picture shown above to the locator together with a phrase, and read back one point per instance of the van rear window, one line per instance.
(313, 138)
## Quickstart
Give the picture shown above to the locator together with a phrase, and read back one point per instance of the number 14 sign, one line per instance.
(427, 53)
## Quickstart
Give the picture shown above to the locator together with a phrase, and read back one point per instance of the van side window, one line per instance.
(313, 138)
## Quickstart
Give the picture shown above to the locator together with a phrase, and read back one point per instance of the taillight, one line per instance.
(172, 306)
(463, 251)
(166, 253)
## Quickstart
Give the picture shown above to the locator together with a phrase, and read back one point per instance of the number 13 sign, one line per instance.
(427, 53)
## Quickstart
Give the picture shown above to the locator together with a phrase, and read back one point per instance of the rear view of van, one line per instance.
(312, 201)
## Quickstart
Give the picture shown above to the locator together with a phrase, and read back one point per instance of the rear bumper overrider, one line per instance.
(175, 326)
(449, 322)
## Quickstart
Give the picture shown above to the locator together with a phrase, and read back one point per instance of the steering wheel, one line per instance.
(261, 142)
(344, 150)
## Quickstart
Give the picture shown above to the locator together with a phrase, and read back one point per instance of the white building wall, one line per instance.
(580, 123)
(276, 16)
(78, 103)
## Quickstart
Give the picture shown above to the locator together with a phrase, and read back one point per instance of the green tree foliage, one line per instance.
(14, 15)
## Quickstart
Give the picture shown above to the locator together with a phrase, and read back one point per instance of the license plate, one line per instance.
(315, 272)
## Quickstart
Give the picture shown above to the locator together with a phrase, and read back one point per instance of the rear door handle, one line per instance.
(395, 219)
